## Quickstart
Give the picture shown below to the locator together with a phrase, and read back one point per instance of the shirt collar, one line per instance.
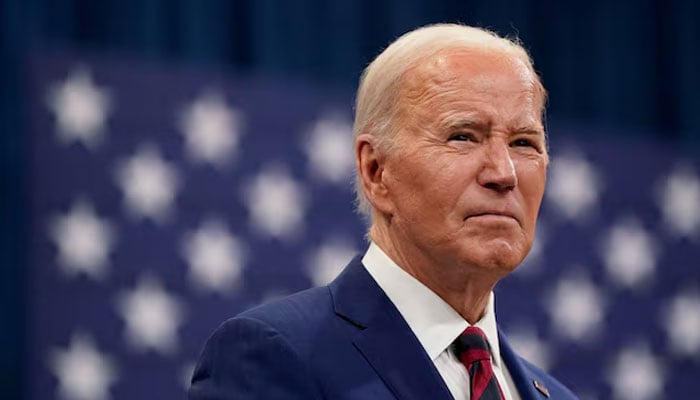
(432, 320)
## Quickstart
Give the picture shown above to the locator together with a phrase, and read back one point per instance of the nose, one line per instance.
(497, 171)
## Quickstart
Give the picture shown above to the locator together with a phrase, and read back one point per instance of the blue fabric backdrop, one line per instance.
(628, 64)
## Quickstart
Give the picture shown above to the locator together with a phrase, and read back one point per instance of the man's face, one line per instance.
(467, 177)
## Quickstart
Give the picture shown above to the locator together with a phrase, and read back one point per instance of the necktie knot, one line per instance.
(472, 349)
(472, 345)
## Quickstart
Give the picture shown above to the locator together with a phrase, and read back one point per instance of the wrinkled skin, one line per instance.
(456, 201)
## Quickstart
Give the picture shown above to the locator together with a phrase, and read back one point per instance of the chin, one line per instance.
(502, 257)
(497, 263)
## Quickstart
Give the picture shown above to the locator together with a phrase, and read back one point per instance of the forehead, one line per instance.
(475, 60)
(485, 73)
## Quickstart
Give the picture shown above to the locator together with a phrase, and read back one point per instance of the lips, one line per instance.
(492, 213)
(497, 213)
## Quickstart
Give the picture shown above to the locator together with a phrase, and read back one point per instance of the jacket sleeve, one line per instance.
(247, 359)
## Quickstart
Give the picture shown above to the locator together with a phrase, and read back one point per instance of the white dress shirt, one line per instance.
(436, 324)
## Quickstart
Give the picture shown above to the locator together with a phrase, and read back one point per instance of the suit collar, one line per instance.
(434, 322)
(384, 338)
(394, 352)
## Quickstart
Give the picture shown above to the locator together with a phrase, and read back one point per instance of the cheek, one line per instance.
(428, 186)
(407, 180)
(451, 180)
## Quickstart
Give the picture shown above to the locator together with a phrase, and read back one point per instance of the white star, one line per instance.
(682, 321)
(276, 204)
(630, 254)
(577, 308)
(530, 347)
(80, 108)
(326, 262)
(149, 184)
(211, 129)
(214, 255)
(83, 373)
(573, 186)
(152, 317)
(328, 148)
(635, 374)
(680, 202)
(83, 240)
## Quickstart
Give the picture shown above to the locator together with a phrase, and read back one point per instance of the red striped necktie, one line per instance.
(472, 349)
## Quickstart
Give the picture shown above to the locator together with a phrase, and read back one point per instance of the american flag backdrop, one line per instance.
(165, 200)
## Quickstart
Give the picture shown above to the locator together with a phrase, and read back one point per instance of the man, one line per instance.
(451, 160)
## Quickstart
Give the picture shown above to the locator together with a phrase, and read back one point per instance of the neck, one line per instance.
(462, 287)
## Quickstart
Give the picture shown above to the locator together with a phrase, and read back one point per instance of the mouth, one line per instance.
(495, 215)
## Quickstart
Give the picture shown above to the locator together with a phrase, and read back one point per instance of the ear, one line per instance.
(370, 169)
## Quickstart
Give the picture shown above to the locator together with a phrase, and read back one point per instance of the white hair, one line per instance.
(379, 91)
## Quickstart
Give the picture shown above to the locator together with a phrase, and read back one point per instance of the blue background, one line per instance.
(631, 66)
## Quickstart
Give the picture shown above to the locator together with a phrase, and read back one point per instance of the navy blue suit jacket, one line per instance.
(340, 342)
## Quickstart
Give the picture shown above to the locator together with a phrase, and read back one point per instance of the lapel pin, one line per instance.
(542, 389)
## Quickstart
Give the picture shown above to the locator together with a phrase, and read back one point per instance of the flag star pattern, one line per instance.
(149, 184)
(276, 203)
(637, 374)
(576, 308)
(152, 316)
(80, 108)
(214, 256)
(680, 202)
(326, 262)
(83, 373)
(83, 241)
(682, 321)
(629, 254)
(573, 186)
(327, 149)
(193, 196)
(211, 129)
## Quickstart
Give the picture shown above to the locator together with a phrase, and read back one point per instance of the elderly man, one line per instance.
(451, 159)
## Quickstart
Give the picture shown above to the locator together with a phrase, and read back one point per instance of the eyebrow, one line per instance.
(530, 130)
(467, 123)
(462, 123)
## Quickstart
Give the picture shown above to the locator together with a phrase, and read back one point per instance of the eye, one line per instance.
(461, 137)
(523, 143)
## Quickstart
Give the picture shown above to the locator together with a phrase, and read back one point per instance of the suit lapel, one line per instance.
(523, 377)
(384, 338)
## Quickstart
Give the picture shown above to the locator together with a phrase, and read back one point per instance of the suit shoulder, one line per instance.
(294, 309)
(295, 317)
(252, 356)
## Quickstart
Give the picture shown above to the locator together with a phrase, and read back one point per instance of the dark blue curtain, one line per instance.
(630, 64)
